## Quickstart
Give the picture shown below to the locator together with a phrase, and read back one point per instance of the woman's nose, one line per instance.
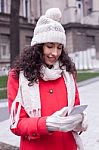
(54, 51)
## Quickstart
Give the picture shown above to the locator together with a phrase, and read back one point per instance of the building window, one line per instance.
(26, 8)
(4, 47)
(28, 41)
(4, 51)
(79, 11)
(2, 6)
(79, 5)
(89, 11)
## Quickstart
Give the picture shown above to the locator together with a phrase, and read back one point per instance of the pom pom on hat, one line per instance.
(54, 13)
(49, 28)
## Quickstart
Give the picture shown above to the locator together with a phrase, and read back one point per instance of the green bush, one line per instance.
(3, 84)
(86, 75)
(3, 81)
(3, 94)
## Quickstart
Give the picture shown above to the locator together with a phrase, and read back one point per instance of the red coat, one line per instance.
(33, 131)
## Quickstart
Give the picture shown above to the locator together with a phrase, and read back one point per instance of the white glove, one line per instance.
(83, 125)
(58, 121)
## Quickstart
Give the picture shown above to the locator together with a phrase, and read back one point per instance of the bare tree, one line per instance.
(14, 30)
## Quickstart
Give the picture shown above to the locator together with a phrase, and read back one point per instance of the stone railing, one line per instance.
(85, 60)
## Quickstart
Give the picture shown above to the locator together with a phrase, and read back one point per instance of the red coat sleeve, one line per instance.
(32, 127)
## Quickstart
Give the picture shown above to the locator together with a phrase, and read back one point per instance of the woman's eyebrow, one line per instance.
(50, 43)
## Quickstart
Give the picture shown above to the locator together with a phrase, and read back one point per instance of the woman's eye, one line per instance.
(49, 46)
(60, 48)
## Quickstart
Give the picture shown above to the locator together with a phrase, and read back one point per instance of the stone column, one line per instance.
(95, 12)
(95, 5)
(70, 12)
(71, 3)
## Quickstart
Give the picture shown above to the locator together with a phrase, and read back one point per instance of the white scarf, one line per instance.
(29, 96)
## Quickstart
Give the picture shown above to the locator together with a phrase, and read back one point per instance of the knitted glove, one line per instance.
(82, 126)
(58, 121)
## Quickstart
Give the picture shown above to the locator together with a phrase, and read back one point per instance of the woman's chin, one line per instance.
(51, 62)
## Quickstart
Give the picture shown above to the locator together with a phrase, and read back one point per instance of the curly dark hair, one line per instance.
(31, 60)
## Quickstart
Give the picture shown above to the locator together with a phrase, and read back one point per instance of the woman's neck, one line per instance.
(49, 66)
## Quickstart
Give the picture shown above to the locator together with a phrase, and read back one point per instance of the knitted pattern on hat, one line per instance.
(49, 28)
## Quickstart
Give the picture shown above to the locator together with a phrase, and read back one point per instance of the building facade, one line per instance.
(80, 20)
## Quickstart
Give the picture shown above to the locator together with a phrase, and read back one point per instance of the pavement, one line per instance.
(89, 94)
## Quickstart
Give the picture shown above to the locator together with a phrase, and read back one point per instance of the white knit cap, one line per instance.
(49, 28)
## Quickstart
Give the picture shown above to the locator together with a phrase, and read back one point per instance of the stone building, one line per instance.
(80, 20)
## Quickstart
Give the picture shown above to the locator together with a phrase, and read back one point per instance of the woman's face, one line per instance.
(51, 52)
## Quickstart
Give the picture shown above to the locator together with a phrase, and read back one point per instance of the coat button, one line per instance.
(51, 91)
(34, 134)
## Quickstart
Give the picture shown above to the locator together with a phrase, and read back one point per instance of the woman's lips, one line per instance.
(51, 59)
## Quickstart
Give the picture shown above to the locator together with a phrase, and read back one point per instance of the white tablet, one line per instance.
(77, 109)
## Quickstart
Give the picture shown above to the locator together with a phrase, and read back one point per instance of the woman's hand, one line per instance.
(82, 126)
(60, 121)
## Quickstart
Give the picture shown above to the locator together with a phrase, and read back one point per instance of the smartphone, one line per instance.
(77, 109)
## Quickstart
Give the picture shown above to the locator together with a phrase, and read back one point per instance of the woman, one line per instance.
(42, 89)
